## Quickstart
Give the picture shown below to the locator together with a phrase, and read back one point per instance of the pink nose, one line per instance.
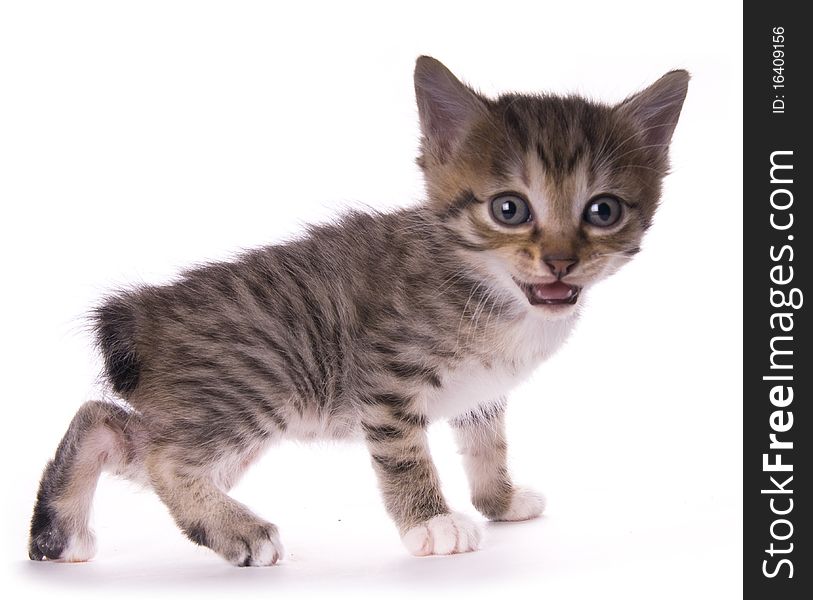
(560, 266)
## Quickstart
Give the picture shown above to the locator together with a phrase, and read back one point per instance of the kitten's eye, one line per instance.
(603, 211)
(510, 210)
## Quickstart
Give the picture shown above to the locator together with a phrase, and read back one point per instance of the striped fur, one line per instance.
(370, 328)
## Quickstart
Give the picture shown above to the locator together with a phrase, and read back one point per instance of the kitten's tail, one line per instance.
(114, 323)
(102, 436)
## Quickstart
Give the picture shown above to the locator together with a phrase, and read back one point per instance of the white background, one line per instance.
(138, 138)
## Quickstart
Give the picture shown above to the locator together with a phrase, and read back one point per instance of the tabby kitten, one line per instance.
(373, 327)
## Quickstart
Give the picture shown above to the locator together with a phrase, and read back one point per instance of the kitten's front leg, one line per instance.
(411, 489)
(480, 437)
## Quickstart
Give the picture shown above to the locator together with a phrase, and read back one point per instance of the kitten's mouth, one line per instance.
(557, 292)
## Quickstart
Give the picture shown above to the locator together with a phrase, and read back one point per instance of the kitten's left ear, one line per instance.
(657, 108)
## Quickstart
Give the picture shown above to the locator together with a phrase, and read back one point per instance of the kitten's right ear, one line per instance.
(657, 108)
(446, 106)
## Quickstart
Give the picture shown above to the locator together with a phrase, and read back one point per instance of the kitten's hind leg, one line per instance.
(102, 436)
(481, 440)
(206, 514)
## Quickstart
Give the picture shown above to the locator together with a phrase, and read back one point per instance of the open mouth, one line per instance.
(557, 292)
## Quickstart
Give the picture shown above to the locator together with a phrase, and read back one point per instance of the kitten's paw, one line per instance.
(51, 544)
(444, 534)
(81, 547)
(525, 504)
(257, 546)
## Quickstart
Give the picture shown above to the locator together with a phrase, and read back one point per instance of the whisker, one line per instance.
(463, 313)
(624, 254)
(451, 280)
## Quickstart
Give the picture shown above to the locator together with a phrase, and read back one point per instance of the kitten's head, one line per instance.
(549, 194)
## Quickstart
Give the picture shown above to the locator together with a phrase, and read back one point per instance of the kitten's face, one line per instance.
(548, 194)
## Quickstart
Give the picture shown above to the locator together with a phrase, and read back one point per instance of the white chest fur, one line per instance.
(516, 352)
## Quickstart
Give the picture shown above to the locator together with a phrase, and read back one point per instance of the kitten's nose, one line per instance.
(560, 265)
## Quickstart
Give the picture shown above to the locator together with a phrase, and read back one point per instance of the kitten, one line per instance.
(373, 327)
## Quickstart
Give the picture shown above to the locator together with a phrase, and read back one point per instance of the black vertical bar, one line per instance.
(777, 560)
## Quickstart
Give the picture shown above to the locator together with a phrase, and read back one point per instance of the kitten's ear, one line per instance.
(446, 106)
(657, 108)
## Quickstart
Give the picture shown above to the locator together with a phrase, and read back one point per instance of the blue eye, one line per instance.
(510, 210)
(603, 211)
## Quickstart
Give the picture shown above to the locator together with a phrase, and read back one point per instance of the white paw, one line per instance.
(81, 547)
(266, 553)
(255, 547)
(525, 504)
(444, 534)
